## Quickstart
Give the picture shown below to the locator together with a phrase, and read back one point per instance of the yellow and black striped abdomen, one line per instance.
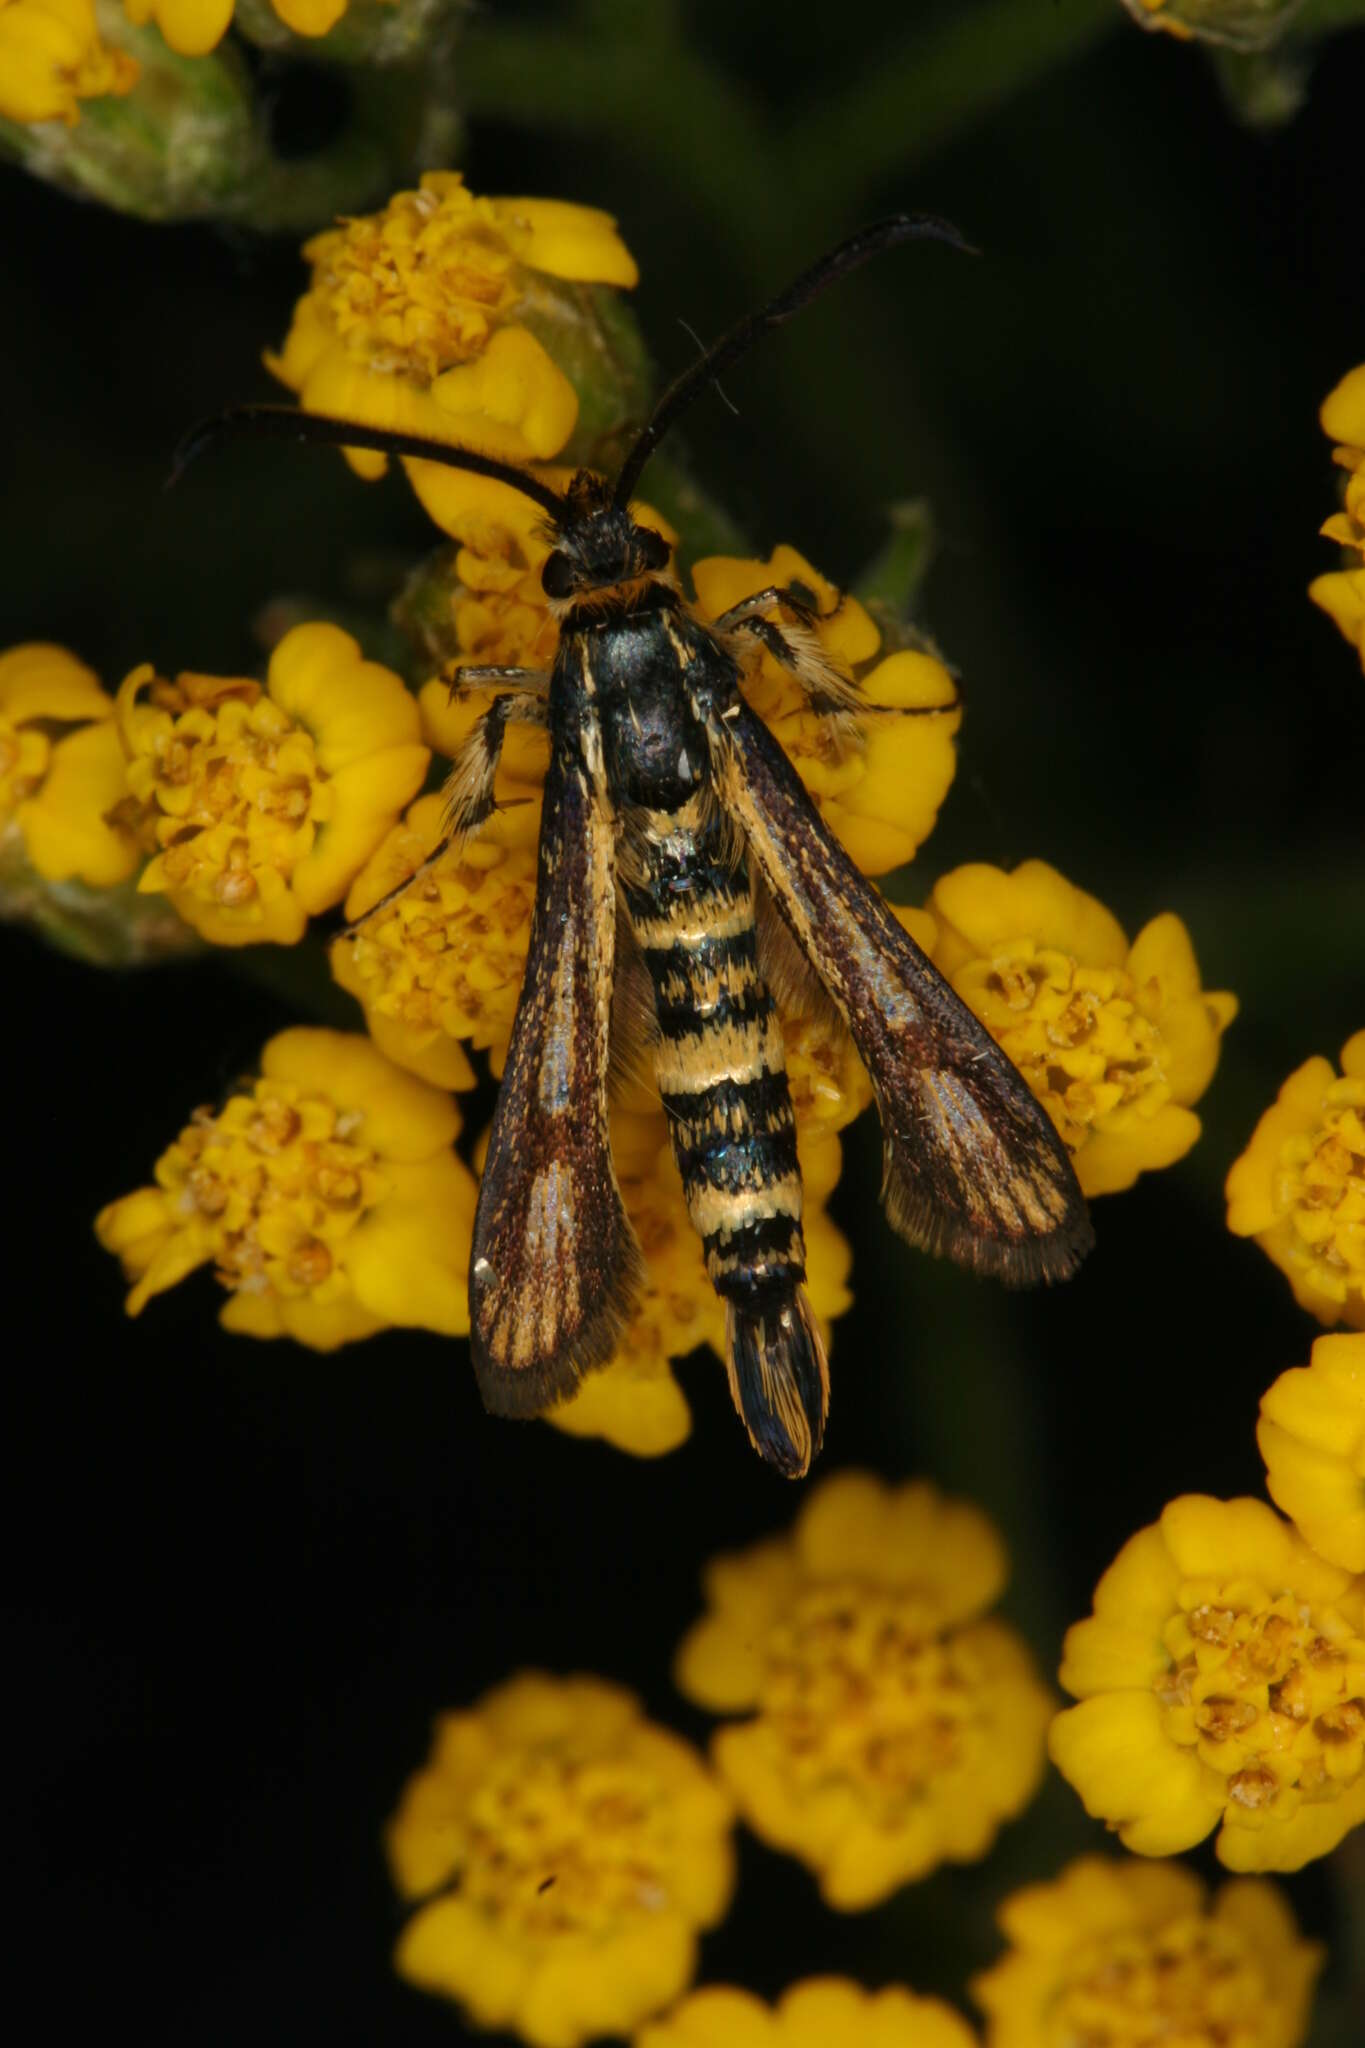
(722, 1076)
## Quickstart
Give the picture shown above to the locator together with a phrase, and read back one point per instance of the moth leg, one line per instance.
(468, 792)
(468, 788)
(479, 675)
(794, 597)
(829, 692)
(797, 647)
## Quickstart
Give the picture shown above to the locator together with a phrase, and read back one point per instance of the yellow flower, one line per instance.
(880, 784)
(1221, 1679)
(420, 317)
(61, 767)
(568, 1852)
(821, 2012)
(634, 1402)
(326, 1196)
(194, 27)
(890, 1729)
(51, 56)
(265, 803)
(1115, 1040)
(1312, 1437)
(444, 963)
(1341, 594)
(1299, 1188)
(1135, 1955)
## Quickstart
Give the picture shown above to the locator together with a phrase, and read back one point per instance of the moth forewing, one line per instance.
(555, 1268)
(974, 1168)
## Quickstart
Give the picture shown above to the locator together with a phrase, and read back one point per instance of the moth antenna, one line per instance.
(779, 1380)
(849, 255)
(288, 423)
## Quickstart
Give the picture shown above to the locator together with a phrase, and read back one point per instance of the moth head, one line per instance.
(598, 542)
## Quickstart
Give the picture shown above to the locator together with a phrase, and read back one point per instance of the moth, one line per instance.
(677, 838)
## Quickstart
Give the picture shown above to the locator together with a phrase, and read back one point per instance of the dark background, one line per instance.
(243, 1578)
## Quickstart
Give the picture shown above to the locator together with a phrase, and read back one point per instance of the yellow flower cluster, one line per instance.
(1133, 1955)
(889, 1727)
(821, 2012)
(326, 1197)
(564, 1853)
(263, 803)
(1116, 1041)
(51, 57)
(61, 769)
(1299, 1188)
(194, 27)
(1341, 593)
(420, 318)
(1221, 1681)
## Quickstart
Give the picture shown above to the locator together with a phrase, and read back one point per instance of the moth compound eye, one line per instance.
(653, 548)
(556, 578)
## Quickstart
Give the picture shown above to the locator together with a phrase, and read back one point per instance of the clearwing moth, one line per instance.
(676, 837)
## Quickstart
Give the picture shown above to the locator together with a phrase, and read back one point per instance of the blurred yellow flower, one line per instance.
(194, 27)
(634, 1402)
(326, 1197)
(1299, 1188)
(820, 2012)
(567, 1852)
(1341, 594)
(51, 56)
(419, 318)
(1135, 1955)
(56, 786)
(1312, 1437)
(878, 779)
(890, 1730)
(1116, 1041)
(1221, 1680)
(265, 803)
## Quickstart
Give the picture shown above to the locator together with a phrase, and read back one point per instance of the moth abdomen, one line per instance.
(721, 1071)
(779, 1379)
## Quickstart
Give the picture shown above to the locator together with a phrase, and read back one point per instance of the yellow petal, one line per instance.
(1343, 409)
(41, 680)
(1113, 1750)
(401, 1117)
(576, 242)
(309, 17)
(63, 824)
(512, 401)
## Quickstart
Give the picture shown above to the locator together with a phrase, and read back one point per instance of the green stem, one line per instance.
(937, 81)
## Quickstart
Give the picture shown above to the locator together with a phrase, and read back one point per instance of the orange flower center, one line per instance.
(271, 1188)
(1193, 1981)
(561, 1845)
(418, 287)
(449, 955)
(1084, 1038)
(1269, 1692)
(224, 783)
(863, 1688)
(1320, 1184)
